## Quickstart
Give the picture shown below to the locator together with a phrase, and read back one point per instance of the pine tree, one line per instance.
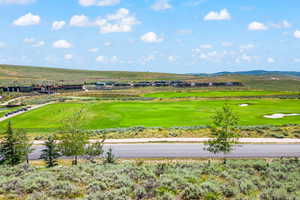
(11, 148)
(50, 153)
(110, 158)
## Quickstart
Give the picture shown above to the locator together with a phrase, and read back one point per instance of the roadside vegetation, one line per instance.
(237, 179)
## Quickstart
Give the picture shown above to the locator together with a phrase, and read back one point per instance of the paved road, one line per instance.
(19, 113)
(195, 151)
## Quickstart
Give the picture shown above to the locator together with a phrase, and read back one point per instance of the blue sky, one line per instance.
(178, 36)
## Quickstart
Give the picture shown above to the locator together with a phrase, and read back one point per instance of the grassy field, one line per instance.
(276, 179)
(212, 94)
(101, 115)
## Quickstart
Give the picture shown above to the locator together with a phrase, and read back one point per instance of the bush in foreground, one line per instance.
(238, 179)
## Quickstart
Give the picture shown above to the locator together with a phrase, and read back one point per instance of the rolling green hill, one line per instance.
(24, 74)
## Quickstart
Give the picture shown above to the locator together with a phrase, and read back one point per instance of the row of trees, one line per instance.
(74, 141)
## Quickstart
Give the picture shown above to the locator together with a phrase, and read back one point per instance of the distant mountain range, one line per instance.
(254, 73)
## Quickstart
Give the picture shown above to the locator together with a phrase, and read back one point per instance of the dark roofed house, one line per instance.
(161, 83)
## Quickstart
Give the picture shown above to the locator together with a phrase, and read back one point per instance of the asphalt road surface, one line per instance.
(188, 150)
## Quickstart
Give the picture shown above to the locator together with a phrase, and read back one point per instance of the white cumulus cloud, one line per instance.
(282, 24)
(99, 2)
(270, 60)
(27, 20)
(68, 57)
(100, 59)
(107, 44)
(214, 15)
(172, 59)
(79, 21)
(161, 5)
(62, 44)
(56, 25)
(34, 42)
(151, 37)
(121, 21)
(29, 40)
(206, 46)
(39, 43)
(297, 34)
(93, 50)
(257, 26)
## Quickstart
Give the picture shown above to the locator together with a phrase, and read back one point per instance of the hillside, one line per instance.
(252, 73)
(10, 74)
(258, 80)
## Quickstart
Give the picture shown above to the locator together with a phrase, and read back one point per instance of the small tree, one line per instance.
(223, 131)
(25, 145)
(93, 150)
(73, 137)
(50, 153)
(109, 158)
(12, 148)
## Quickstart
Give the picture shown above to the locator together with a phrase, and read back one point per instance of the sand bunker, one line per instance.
(278, 116)
(244, 105)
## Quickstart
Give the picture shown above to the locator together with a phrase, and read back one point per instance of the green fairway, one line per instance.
(155, 114)
(206, 94)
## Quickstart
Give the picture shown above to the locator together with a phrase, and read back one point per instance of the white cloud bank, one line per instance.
(27, 20)
(151, 37)
(214, 15)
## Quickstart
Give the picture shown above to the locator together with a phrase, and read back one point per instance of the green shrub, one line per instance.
(64, 189)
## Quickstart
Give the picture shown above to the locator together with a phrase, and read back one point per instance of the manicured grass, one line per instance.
(155, 114)
(208, 94)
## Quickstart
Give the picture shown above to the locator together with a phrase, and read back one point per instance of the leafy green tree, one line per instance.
(73, 138)
(223, 131)
(94, 149)
(12, 147)
(25, 145)
(51, 153)
(109, 158)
